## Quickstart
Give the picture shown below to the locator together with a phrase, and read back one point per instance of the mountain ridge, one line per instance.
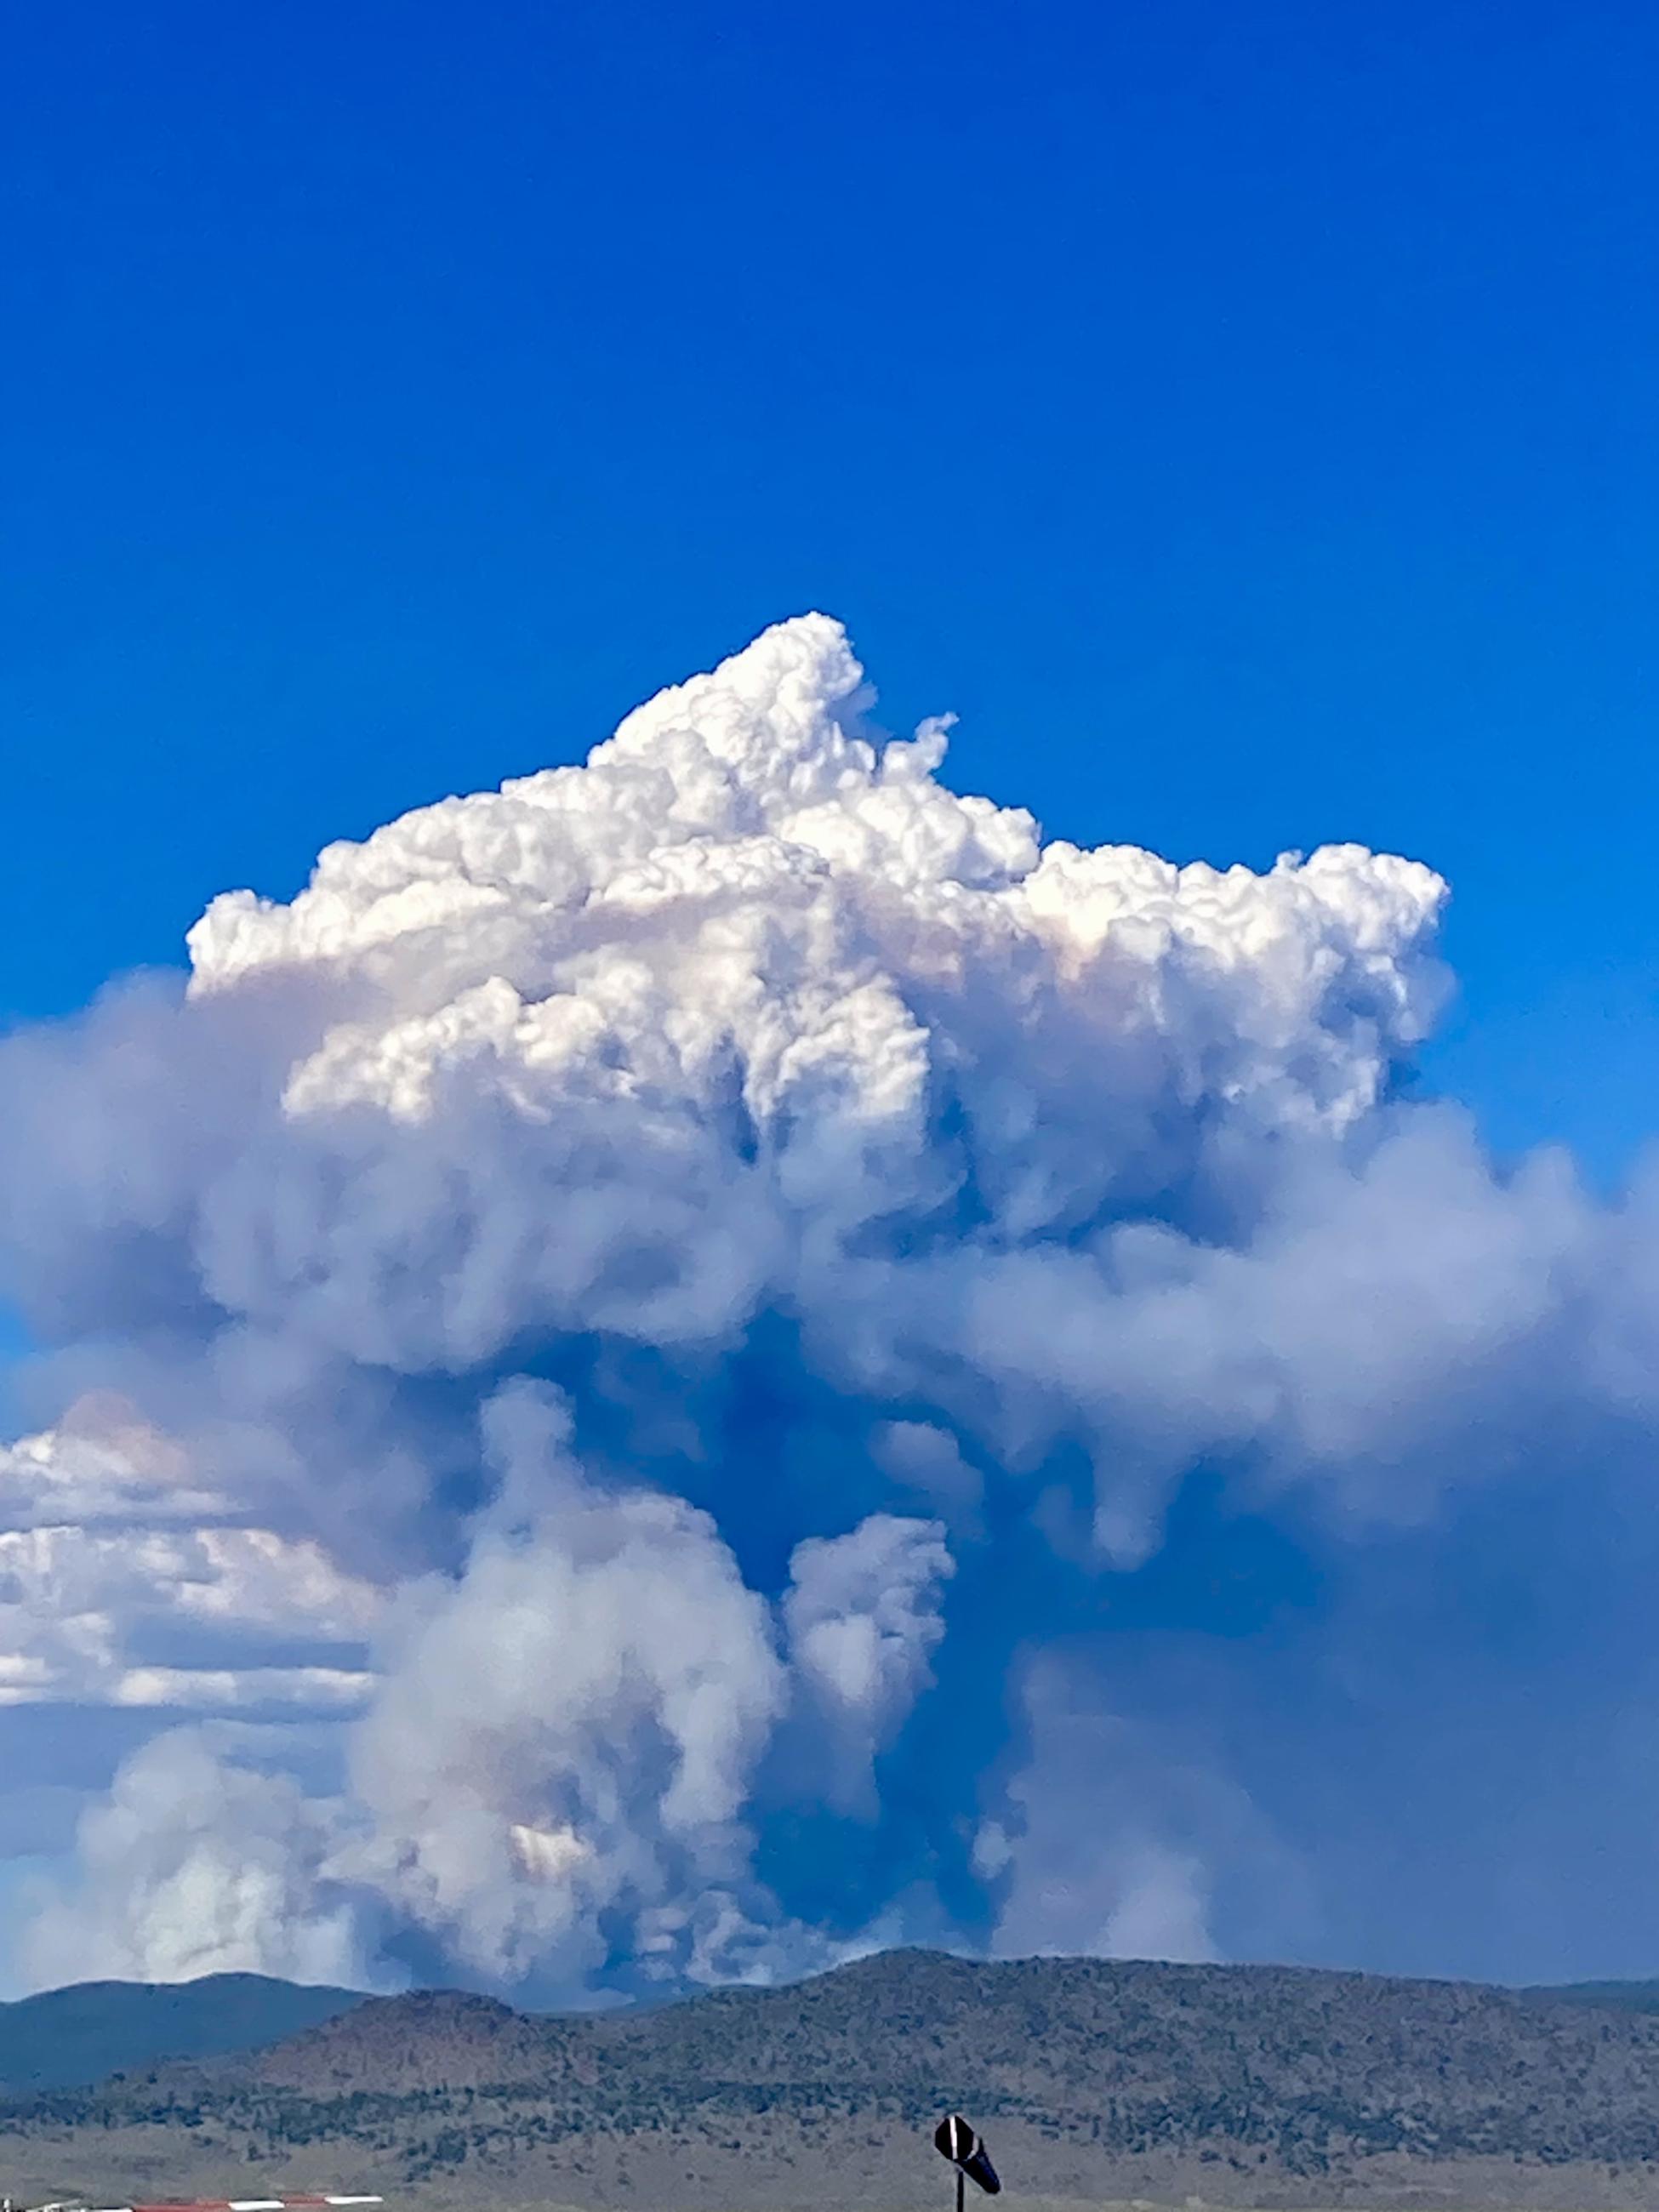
(86, 2031)
(1094, 2080)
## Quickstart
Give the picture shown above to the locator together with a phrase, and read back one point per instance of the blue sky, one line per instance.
(1242, 418)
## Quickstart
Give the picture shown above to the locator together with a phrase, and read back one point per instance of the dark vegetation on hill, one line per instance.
(1620, 1997)
(64, 2038)
(1093, 2081)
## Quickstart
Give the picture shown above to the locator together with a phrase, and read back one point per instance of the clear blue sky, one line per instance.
(1242, 415)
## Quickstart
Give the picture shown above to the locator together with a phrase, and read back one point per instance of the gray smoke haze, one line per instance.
(721, 1357)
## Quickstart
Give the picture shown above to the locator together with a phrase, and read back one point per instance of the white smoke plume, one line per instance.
(571, 1726)
(611, 1332)
(197, 1865)
(861, 1615)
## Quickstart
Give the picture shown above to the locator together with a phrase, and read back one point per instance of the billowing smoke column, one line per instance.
(613, 1368)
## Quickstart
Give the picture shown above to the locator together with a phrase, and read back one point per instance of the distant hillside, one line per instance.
(1618, 1996)
(68, 2037)
(1094, 2081)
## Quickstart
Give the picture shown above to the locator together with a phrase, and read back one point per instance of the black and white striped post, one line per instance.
(954, 2139)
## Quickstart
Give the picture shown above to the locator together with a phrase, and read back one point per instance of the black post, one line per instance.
(962, 2183)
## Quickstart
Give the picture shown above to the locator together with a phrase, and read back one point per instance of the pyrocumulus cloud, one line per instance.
(619, 1377)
